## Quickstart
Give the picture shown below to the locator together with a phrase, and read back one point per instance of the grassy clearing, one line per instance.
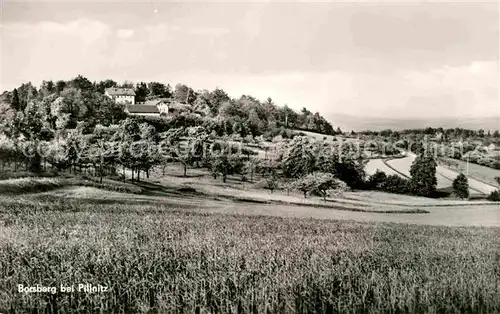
(5, 175)
(478, 172)
(444, 175)
(158, 258)
(34, 184)
(41, 184)
(378, 164)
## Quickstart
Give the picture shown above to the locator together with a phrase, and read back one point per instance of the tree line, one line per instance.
(445, 133)
(82, 100)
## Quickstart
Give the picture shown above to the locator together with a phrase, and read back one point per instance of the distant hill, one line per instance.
(360, 123)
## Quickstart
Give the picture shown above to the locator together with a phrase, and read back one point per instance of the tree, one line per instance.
(254, 122)
(58, 157)
(423, 175)
(68, 109)
(220, 165)
(127, 84)
(272, 181)
(102, 85)
(16, 105)
(141, 92)
(82, 83)
(250, 167)
(494, 196)
(304, 184)
(127, 134)
(184, 155)
(497, 179)
(60, 86)
(461, 186)
(184, 94)
(46, 89)
(202, 103)
(341, 162)
(298, 159)
(101, 150)
(217, 98)
(319, 183)
(377, 180)
(157, 89)
(27, 93)
(325, 182)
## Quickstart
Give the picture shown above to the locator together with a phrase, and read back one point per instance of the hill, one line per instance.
(361, 123)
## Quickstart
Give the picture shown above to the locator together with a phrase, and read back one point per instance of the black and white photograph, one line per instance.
(249, 156)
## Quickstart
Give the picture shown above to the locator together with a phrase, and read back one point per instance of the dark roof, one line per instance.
(120, 91)
(142, 109)
(154, 102)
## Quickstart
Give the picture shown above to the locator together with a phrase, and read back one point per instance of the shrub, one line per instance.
(377, 180)
(272, 183)
(351, 172)
(396, 184)
(494, 196)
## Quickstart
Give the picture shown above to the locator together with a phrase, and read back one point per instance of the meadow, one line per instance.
(478, 172)
(168, 258)
(444, 174)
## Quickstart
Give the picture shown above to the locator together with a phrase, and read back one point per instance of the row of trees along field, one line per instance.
(139, 146)
(445, 134)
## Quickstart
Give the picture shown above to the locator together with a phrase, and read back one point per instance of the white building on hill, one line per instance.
(121, 95)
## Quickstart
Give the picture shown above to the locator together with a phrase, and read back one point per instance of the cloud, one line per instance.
(43, 50)
(84, 29)
(161, 32)
(474, 77)
(468, 90)
(125, 33)
(209, 31)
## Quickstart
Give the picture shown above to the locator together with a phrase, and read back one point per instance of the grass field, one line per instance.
(444, 175)
(477, 172)
(166, 258)
(195, 244)
(378, 164)
(41, 184)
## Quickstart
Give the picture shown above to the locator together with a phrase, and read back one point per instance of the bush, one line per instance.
(351, 172)
(377, 180)
(494, 196)
(396, 184)
(272, 183)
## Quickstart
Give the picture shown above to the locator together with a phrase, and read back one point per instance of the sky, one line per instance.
(372, 59)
